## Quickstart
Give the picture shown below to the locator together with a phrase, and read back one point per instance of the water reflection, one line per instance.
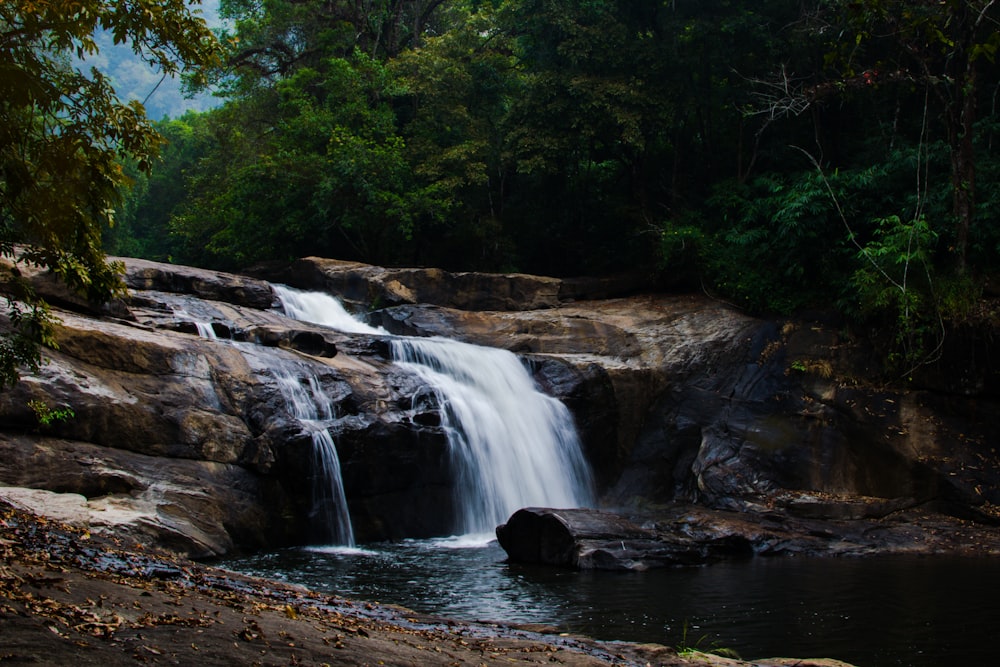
(872, 612)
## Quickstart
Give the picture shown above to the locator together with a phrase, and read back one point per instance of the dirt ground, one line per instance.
(71, 598)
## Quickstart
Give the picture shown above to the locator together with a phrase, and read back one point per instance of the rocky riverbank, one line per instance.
(688, 535)
(71, 597)
(689, 412)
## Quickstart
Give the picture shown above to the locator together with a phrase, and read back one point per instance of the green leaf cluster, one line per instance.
(64, 135)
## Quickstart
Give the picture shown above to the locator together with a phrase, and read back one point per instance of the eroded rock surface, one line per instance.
(679, 399)
(189, 441)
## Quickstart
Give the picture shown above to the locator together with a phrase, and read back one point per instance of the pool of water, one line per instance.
(899, 610)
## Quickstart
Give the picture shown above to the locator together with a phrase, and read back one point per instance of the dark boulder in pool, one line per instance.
(795, 524)
(597, 540)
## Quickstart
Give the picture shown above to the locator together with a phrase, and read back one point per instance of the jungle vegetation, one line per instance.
(781, 155)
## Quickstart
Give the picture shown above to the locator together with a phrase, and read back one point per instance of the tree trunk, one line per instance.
(963, 161)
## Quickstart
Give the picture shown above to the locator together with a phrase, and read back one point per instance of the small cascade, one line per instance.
(310, 405)
(320, 308)
(205, 330)
(512, 446)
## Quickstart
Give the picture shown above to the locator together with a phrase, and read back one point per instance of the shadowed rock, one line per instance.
(595, 540)
(678, 399)
(687, 535)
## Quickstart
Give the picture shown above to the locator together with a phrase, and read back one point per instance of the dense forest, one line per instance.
(777, 154)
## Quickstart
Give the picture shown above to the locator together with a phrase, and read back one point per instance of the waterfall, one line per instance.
(205, 330)
(310, 405)
(320, 308)
(512, 446)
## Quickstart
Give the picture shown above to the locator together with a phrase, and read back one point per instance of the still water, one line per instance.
(872, 612)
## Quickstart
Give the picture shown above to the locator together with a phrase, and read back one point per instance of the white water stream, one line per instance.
(301, 388)
(309, 404)
(321, 308)
(512, 446)
(205, 330)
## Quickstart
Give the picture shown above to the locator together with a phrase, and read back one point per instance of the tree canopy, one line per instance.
(64, 135)
(779, 155)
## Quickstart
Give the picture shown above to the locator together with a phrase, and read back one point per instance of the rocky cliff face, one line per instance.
(188, 441)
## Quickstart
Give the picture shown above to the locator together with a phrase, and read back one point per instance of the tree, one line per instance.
(142, 221)
(306, 156)
(940, 45)
(273, 38)
(457, 88)
(310, 166)
(63, 135)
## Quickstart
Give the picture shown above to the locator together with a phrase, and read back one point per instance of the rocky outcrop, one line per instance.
(142, 275)
(679, 399)
(370, 286)
(188, 441)
(683, 399)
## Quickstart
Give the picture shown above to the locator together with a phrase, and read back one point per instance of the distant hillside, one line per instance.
(135, 80)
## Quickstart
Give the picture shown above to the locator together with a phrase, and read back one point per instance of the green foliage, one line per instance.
(30, 325)
(774, 244)
(310, 165)
(687, 650)
(142, 220)
(946, 48)
(63, 135)
(896, 282)
(47, 416)
(457, 89)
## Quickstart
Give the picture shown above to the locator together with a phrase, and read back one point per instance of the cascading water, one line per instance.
(320, 308)
(512, 446)
(308, 403)
(311, 406)
(205, 330)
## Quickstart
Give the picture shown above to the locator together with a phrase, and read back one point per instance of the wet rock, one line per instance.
(212, 285)
(596, 540)
(678, 535)
(314, 343)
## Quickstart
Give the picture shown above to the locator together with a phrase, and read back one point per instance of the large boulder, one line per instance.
(210, 285)
(679, 535)
(596, 540)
